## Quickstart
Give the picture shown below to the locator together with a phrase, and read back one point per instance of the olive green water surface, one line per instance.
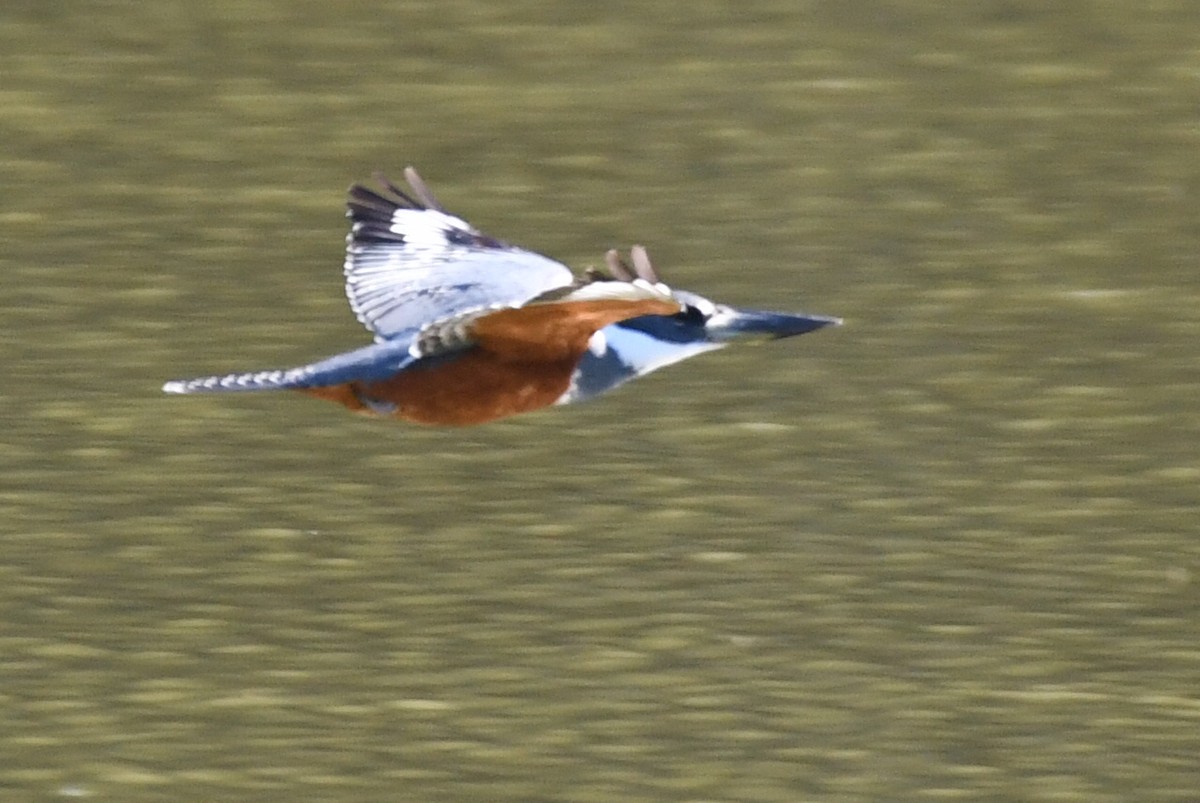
(946, 552)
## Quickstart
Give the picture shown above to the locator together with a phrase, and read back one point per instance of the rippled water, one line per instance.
(947, 551)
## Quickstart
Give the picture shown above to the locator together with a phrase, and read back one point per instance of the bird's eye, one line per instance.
(692, 314)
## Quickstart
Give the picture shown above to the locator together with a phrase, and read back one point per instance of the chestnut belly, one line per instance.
(472, 388)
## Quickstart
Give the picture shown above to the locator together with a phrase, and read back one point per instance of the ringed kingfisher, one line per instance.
(469, 329)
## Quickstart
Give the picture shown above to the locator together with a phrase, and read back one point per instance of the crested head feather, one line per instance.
(642, 267)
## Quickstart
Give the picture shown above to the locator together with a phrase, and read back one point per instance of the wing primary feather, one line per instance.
(369, 207)
(370, 199)
(421, 189)
(391, 187)
(373, 214)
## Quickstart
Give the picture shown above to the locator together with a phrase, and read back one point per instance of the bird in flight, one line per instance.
(469, 329)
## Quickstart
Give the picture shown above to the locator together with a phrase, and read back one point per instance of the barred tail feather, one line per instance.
(258, 380)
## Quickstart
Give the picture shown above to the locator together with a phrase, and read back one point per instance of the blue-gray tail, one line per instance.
(372, 363)
(258, 380)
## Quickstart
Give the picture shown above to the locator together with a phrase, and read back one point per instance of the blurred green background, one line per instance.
(946, 552)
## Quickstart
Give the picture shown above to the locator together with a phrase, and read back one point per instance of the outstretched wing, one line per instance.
(409, 262)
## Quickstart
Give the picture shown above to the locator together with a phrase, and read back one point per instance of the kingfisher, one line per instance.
(469, 329)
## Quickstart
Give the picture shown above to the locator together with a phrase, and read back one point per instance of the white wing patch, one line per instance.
(430, 229)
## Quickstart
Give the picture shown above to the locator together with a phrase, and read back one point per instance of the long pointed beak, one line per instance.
(748, 324)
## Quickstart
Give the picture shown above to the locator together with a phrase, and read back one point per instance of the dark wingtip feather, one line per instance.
(369, 203)
(372, 212)
(421, 190)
